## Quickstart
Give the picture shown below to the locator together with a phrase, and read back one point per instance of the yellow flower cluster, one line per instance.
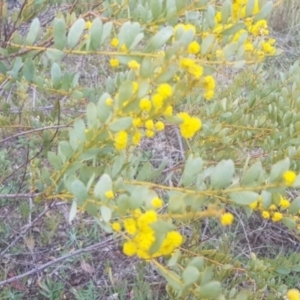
(141, 236)
(274, 212)
(191, 67)
(189, 126)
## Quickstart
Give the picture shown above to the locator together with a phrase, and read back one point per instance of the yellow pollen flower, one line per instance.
(157, 202)
(159, 126)
(121, 140)
(277, 216)
(114, 42)
(134, 65)
(116, 226)
(193, 47)
(145, 104)
(136, 138)
(129, 248)
(265, 214)
(109, 102)
(289, 178)
(227, 219)
(293, 294)
(109, 194)
(114, 63)
(165, 90)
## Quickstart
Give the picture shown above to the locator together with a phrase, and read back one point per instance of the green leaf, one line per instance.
(103, 185)
(146, 69)
(252, 174)
(222, 174)
(197, 262)
(206, 44)
(264, 12)
(105, 213)
(54, 54)
(89, 154)
(233, 29)
(295, 206)
(56, 75)
(156, 9)
(95, 34)
(29, 69)
(266, 199)
(190, 275)
(243, 198)
(230, 49)
(79, 190)
(249, 8)
(172, 278)
(91, 115)
(289, 222)
(75, 32)
(283, 270)
(65, 148)
(33, 32)
(120, 124)
(124, 92)
(54, 160)
(242, 295)
(174, 259)
(106, 31)
(296, 268)
(3, 68)
(59, 33)
(278, 169)
(103, 111)
(159, 39)
(73, 211)
(193, 166)
(210, 290)
(226, 11)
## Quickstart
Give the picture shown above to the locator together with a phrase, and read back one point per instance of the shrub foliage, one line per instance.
(190, 67)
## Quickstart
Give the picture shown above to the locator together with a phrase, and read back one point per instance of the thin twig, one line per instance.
(24, 195)
(50, 263)
(32, 131)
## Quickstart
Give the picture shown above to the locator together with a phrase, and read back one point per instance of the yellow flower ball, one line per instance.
(149, 124)
(194, 47)
(114, 42)
(109, 194)
(129, 248)
(145, 104)
(277, 216)
(293, 294)
(227, 219)
(114, 63)
(157, 202)
(165, 90)
(136, 138)
(116, 226)
(134, 65)
(289, 178)
(284, 203)
(130, 226)
(265, 214)
(109, 102)
(121, 140)
(159, 126)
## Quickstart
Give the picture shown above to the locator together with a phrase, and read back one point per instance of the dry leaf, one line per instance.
(87, 267)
